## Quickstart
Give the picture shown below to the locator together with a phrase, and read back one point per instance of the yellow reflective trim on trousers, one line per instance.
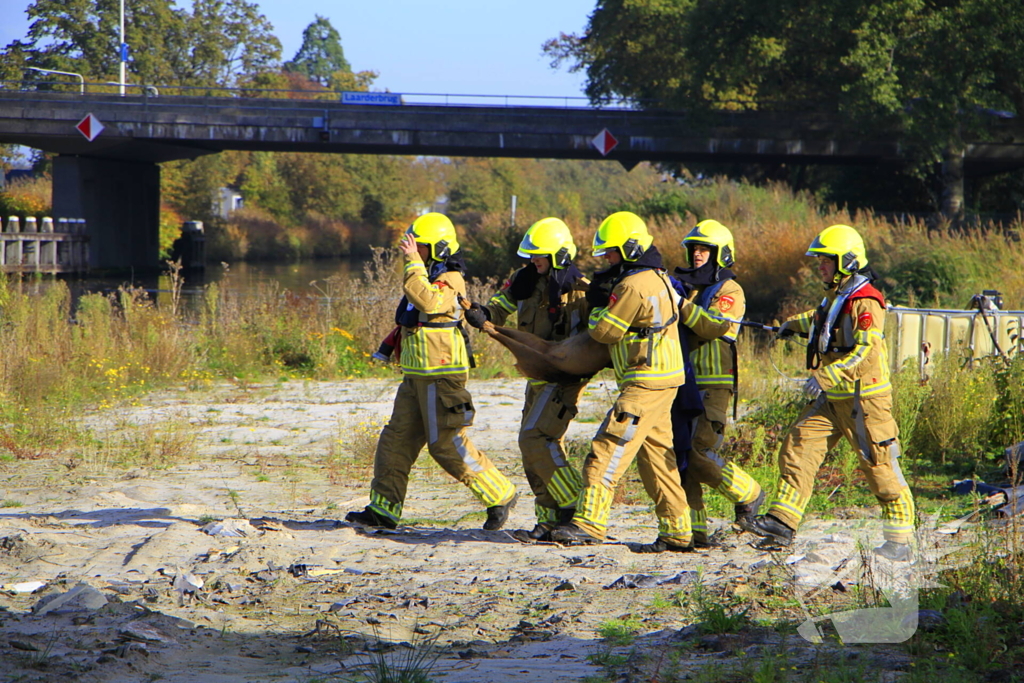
(546, 516)
(676, 529)
(898, 517)
(492, 487)
(385, 508)
(594, 507)
(699, 521)
(737, 486)
(789, 501)
(565, 486)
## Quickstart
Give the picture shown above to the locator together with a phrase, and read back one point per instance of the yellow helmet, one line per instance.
(436, 230)
(624, 230)
(845, 244)
(711, 233)
(549, 237)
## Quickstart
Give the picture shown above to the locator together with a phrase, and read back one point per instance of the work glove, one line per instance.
(787, 329)
(812, 389)
(476, 316)
(597, 296)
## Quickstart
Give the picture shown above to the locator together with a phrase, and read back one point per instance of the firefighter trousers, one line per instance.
(432, 412)
(547, 412)
(639, 426)
(868, 425)
(706, 466)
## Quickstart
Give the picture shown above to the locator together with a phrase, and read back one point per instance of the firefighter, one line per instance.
(849, 395)
(432, 406)
(548, 296)
(714, 294)
(635, 313)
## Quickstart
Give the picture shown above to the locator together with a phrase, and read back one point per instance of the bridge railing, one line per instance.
(432, 99)
(134, 90)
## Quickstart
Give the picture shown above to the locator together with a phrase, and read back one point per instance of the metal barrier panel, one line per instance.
(921, 333)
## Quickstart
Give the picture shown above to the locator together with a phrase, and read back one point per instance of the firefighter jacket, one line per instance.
(713, 342)
(639, 323)
(433, 345)
(536, 313)
(846, 344)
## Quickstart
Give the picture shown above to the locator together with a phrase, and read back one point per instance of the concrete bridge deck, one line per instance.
(113, 180)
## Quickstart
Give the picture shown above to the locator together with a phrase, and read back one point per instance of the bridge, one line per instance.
(113, 180)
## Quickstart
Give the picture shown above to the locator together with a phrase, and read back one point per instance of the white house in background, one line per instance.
(226, 201)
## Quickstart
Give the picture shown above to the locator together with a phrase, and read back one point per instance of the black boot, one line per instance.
(570, 534)
(368, 517)
(497, 515)
(897, 552)
(773, 529)
(702, 540)
(660, 546)
(746, 512)
(540, 532)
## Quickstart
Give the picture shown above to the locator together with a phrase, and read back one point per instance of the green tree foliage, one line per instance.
(934, 70)
(220, 42)
(321, 54)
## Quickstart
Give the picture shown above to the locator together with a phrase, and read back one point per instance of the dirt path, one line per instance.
(295, 595)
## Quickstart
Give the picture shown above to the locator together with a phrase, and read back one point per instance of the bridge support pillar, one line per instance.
(120, 201)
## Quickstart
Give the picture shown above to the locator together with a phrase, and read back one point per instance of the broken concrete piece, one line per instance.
(239, 528)
(81, 598)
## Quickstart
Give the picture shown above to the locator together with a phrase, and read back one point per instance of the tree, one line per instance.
(935, 71)
(321, 54)
(230, 41)
(218, 43)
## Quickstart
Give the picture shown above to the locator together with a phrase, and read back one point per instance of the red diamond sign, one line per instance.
(604, 142)
(90, 127)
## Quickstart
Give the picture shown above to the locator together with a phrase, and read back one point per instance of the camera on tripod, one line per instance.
(988, 300)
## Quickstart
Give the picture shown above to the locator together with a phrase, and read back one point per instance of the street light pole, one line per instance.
(122, 49)
(81, 80)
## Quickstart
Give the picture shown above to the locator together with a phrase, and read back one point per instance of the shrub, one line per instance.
(27, 197)
(954, 419)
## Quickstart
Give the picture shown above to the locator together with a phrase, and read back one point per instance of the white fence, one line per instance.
(44, 247)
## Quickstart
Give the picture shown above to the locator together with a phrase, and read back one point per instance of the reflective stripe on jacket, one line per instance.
(640, 301)
(434, 347)
(858, 350)
(532, 312)
(711, 340)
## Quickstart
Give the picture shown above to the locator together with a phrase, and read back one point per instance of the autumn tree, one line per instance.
(935, 72)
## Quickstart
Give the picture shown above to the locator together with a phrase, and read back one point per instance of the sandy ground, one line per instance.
(282, 590)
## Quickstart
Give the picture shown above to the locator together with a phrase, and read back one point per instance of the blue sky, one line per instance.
(480, 47)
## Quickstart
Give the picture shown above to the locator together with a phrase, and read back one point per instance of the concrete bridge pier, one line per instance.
(120, 201)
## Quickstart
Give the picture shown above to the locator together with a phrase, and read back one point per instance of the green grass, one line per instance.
(619, 632)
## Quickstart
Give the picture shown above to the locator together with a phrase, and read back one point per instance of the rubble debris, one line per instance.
(24, 586)
(234, 528)
(650, 581)
(81, 598)
(1009, 500)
